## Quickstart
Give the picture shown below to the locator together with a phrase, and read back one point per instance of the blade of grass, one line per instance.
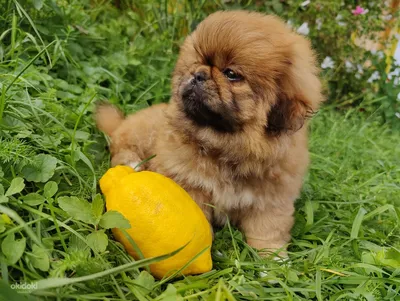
(219, 290)
(135, 246)
(21, 12)
(2, 102)
(235, 247)
(4, 270)
(13, 35)
(13, 215)
(20, 227)
(27, 66)
(64, 245)
(145, 91)
(357, 223)
(309, 215)
(228, 294)
(59, 282)
(77, 123)
(318, 285)
(144, 161)
(182, 268)
(380, 210)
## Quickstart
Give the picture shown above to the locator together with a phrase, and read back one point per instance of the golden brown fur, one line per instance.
(238, 144)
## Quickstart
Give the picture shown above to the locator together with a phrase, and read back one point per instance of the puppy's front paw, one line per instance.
(269, 249)
(127, 158)
(134, 165)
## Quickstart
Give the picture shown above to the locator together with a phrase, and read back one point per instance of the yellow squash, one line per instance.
(163, 218)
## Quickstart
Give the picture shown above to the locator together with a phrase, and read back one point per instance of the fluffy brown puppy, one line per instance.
(234, 132)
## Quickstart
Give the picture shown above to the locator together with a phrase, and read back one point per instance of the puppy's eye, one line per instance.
(232, 75)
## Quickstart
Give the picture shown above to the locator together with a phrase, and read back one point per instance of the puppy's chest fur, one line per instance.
(228, 186)
(228, 190)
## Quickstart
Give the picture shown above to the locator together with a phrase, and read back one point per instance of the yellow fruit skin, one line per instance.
(163, 218)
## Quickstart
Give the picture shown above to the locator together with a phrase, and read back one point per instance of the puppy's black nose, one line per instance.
(200, 76)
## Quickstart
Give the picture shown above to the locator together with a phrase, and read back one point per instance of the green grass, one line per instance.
(56, 61)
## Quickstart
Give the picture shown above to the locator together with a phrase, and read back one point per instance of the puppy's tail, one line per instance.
(108, 118)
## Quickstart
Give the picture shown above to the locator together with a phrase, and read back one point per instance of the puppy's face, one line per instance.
(241, 69)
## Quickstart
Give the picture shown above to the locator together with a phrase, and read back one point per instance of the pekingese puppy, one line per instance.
(234, 134)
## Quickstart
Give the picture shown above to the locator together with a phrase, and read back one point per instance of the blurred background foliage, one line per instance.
(143, 42)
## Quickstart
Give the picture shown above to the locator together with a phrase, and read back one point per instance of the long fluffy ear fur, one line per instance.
(288, 116)
(300, 91)
(108, 118)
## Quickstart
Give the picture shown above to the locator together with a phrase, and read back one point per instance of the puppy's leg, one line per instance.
(268, 230)
(135, 138)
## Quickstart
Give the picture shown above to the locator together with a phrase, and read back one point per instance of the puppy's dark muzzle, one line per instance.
(194, 90)
(197, 107)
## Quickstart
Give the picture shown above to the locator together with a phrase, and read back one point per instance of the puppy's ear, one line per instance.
(287, 116)
(299, 94)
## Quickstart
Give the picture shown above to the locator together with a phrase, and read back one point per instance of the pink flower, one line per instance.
(359, 11)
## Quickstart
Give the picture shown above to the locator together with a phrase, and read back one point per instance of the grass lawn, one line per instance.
(57, 60)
